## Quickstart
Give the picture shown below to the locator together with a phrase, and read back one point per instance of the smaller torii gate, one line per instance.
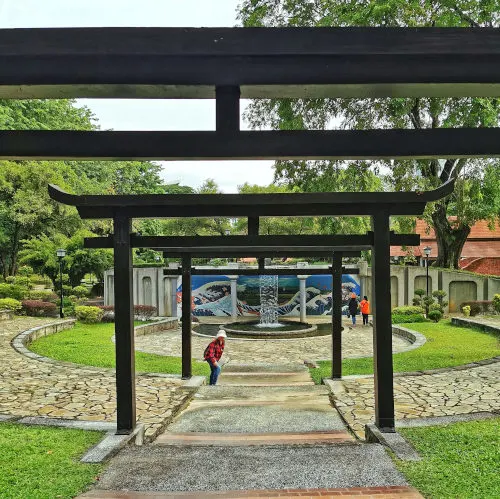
(380, 206)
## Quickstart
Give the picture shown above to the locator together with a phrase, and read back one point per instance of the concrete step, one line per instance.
(245, 439)
(265, 378)
(260, 367)
(390, 492)
(196, 469)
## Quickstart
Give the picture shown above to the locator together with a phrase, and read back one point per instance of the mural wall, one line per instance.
(212, 296)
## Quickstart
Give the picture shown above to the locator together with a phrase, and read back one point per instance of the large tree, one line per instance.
(476, 195)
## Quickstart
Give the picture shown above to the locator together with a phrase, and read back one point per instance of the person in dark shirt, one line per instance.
(353, 306)
(213, 353)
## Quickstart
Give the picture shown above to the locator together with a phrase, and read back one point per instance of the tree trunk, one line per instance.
(450, 240)
(14, 252)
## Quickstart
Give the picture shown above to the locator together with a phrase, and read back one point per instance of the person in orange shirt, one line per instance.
(365, 309)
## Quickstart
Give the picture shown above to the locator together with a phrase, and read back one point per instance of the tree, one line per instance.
(469, 201)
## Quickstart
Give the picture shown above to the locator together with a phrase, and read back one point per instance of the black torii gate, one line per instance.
(227, 64)
(378, 205)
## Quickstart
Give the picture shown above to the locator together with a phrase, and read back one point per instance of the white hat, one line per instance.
(221, 334)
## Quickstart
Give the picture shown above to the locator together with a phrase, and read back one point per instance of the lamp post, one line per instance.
(61, 253)
(427, 252)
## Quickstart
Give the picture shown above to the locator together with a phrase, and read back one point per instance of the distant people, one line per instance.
(365, 309)
(353, 307)
(213, 353)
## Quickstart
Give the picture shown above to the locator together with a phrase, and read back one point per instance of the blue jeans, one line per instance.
(353, 317)
(214, 373)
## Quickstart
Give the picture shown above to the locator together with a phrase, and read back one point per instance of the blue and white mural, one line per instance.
(212, 296)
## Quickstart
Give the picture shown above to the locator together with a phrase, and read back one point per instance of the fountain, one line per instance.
(268, 326)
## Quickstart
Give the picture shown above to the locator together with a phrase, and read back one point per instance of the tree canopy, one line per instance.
(476, 195)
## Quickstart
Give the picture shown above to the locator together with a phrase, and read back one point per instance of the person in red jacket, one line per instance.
(365, 309)
(213, 353)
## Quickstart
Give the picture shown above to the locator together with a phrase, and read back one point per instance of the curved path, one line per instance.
(32, 388)
(356, 342)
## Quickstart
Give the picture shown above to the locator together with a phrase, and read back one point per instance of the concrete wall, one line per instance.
(150, 286)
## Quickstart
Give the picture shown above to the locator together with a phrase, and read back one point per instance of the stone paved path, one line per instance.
(264, 439)
(356, 342)
(32, 388)
(441, 394)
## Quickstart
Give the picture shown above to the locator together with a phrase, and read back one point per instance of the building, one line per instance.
(480, 254)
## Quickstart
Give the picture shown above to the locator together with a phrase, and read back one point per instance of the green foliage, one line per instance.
(479, 307)
(496, 303)
(406, 319)
(88, 315)
(407, 310)
(13, 291)
(447, 345)
(477, 193)
(466, 310)
(459, 460)
(42, 294)
(80, 291)
(39, 462)
(10, 304)
(91, 345)
(435, 315)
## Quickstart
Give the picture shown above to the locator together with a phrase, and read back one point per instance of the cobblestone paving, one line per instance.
(357, 342)
(32, 388)
(443, 394)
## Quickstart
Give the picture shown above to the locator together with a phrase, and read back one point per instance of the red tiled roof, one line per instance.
(472, 247)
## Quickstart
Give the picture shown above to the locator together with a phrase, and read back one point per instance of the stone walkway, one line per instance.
(447, 393)
(356, 342)
(32, 388)
(276, 436)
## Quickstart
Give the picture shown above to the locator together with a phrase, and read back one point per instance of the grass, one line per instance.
(40, 462)
(446, 346)
(91, 345)
(459, 460)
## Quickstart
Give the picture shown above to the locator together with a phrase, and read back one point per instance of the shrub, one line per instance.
(440, 294)
(496, 303)
(109, 313)
(435, 306)
(88, 315)
(408, 310)
(25, 271)
(435, 315)
(405, 319)
(13, 291)
(466, 310)
(38, 308)
(144, 312)
(80, 291)
(478, 307)
(42, 295)
(10, 304)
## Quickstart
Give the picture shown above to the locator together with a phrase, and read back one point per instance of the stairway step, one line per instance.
(244, 439)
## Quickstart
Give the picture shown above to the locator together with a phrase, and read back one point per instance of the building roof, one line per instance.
(481, 243)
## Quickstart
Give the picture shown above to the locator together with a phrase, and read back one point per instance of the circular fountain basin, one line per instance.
(284, 329)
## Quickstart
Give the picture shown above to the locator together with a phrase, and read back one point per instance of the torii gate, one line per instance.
(229, 63)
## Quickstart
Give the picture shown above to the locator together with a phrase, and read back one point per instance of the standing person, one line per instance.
(213, 353)
(353, 306)
(365, 309)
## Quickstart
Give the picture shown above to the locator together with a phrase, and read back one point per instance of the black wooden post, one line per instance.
(382, 325)
(186, 316)
(337, 316)
(227, 109)
(124, 327)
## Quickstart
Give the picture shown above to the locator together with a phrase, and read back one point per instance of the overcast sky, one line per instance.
(128, 114)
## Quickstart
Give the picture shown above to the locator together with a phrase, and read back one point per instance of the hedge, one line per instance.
(479, 307)
(38, 308)
(408, 310)
(10, 304)
(88, 315)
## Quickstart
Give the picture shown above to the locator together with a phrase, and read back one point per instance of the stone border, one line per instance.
(157, 326)
(471, 323)
(414, 337)
(6, 314)
(444, 420)
(394, 441)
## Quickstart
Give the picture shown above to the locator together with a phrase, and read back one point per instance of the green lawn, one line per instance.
(447, 345)
(91, 345)
(39, 462)
(459, 460)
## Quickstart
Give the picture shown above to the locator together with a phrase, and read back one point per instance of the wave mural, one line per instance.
(212, 297)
